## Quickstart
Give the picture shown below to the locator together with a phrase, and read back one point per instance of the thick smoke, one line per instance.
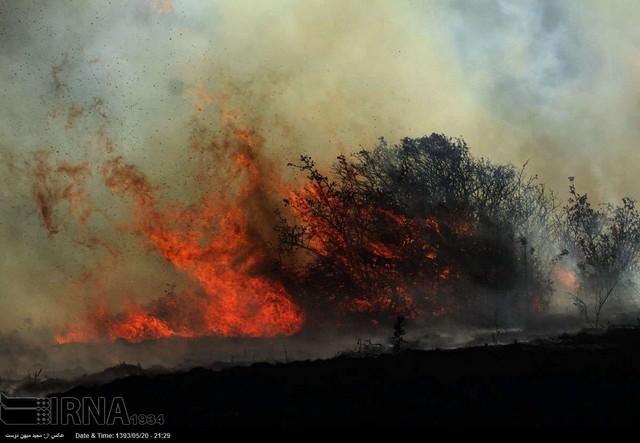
(552, 82)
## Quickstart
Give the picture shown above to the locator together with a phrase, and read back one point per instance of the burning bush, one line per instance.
(420, 227)
(605, 244)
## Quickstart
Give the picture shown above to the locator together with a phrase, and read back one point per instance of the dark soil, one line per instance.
(587, 379)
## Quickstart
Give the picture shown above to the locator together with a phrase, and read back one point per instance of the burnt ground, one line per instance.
(586, 379)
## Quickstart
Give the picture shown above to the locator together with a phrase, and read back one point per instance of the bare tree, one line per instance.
(605, 243)
(35, 375)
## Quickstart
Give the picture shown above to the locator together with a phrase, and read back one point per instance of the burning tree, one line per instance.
(605, 243)
(421, 226)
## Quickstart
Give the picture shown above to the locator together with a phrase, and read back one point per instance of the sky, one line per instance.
(553, 83)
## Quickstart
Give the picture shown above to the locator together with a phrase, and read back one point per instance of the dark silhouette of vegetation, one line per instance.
(34, 377)
(421, 227)
(425, 228)
(398, 333)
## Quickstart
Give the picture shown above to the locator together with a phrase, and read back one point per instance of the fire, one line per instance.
(567, 279)
(136, 326)
(214, 243)
(74, 335)
(365, 255)
(369, 247)
(162, 6)
(382, 250)
(443, 310)
(536, 305)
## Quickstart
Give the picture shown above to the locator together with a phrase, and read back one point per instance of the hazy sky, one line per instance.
(556, 83)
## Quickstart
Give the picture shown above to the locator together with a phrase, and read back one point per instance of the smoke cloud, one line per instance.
(555, 83)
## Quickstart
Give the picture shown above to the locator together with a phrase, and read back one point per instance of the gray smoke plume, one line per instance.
(550, 82)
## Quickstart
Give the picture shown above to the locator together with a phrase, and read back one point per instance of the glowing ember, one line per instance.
(567, 279)
(537, 305)
(440, 312)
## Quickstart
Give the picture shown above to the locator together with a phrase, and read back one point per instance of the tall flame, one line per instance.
(213, 243)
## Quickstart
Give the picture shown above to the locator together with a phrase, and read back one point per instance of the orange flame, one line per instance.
(212, 242)
(162, 6)
(567, 279)
(385, 251)
(443, 310)
(369, 246)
